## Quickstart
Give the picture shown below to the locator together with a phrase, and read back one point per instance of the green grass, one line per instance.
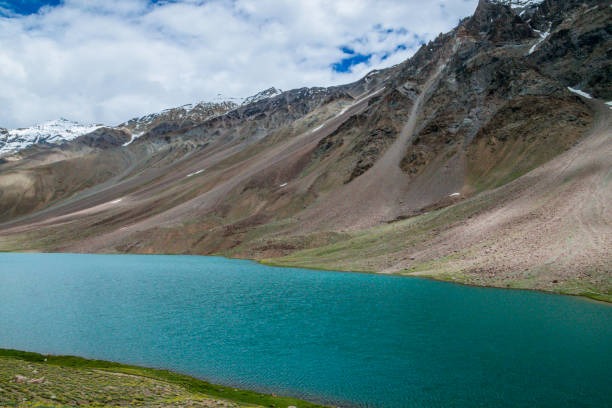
(371, 249)
(181, 386)
(600, 297)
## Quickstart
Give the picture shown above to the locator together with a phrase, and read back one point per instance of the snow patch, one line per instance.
(454, 195)
(317, 128)
(195, 173)
(579, 92)
(134, 136)
(283, 185)
(116, 201)
(543, 37)
(129, 142)
(344, 110)
(358, 101)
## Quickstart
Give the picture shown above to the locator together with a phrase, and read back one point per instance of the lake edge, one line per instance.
(185, 381)
(592, 297)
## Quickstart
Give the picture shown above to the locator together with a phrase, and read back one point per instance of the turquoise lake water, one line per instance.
(341, 338)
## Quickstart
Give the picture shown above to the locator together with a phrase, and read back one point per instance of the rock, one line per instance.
(20, 379)
(105, 137)
(498, 23)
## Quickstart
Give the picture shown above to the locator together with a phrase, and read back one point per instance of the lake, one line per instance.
(340, 338)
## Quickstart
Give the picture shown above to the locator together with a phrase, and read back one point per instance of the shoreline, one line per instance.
(197, 387)
(594, 297)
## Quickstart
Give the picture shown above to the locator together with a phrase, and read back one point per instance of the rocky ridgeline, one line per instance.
(518, 3)
(56, 132)
(180, 117)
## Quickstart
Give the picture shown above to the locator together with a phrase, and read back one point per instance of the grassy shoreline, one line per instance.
(184, 390)
(597, 297)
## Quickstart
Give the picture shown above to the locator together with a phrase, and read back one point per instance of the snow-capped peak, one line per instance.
(52, 132)
(260, 96)
(519, 3)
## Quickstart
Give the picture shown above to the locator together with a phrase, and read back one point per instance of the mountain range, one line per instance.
(483, 159)
(57, 132)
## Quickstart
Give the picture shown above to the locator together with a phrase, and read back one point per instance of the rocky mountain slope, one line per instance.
(475, 161)
(172, 120)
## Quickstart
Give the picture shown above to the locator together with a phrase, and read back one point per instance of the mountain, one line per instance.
(169, 120)
(260, 96)
(49, 133)
(483, 159)
(520, 4)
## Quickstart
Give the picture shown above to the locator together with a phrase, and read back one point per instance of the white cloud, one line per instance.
(110, 60)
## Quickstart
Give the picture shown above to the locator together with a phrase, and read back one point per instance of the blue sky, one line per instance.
(110, 60)
(25, 7)
(351, 59)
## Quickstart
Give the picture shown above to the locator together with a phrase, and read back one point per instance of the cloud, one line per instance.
(107, 61)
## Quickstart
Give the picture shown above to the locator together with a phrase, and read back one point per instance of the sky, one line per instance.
(106, 61)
